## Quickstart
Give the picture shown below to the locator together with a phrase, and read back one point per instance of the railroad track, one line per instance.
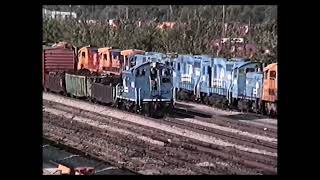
(210, 128)
(247, 160)
(167, 157)
(170, 123)
(123, 150)
(253, 127)
(180, 109)
(226, 108)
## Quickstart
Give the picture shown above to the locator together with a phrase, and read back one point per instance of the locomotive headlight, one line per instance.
(153, 64)
(257, 85)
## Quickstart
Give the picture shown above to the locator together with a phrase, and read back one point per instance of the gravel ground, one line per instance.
(164, 147)
(152, 124)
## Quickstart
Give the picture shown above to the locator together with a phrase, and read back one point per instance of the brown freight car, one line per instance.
(56, 61)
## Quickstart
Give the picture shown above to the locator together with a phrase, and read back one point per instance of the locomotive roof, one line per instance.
(240, 65)
(131, 51)
(270, 66)
(146, 63)
(91, 48)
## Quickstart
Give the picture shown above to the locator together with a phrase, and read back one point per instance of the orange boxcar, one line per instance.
(270, 89)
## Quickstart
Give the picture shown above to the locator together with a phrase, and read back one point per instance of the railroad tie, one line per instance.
(108, 168)
(70, 157)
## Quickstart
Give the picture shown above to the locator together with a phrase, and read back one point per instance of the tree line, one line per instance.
(197, 27)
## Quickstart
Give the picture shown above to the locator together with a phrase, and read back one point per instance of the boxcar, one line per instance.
(56, 61)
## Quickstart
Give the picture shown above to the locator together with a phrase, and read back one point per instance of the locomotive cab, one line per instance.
(270, 89)
(147, 88)
(110, 60)
(88, 58)
(128, 57)
(246, 86)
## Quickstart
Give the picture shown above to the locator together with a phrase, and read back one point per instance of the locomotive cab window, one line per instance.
(137, 72)
(153, 73)
(266, 74)
(203, 70)
(197, 64)
(229, 67)
(104, 56)
(143, 72)
(167, 72)
(83, 54)
(215, 72)
(165, 80)
(144, 59)
(273, 74)
(178, 67)
(250, 70)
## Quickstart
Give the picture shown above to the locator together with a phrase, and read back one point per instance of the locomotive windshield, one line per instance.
(197, 64)
(166, 73)
(229, 67)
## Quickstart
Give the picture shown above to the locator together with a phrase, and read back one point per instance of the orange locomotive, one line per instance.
(88, 58)
(105, 60)
(270, 89)
(127, 63)
(110, 61)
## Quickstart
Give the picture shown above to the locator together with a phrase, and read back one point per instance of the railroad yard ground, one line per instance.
(53, 154)
(194, 139)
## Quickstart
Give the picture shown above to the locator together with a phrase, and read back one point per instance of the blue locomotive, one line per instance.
(146, 88)
(222, 82)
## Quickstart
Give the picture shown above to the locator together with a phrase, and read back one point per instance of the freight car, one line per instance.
(55, 62)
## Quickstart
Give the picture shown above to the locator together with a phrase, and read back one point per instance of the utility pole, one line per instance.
(170, 12)
(70, 10)
(223, 16)
(127, 13)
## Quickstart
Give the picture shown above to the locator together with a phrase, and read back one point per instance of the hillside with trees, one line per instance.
(196, 30)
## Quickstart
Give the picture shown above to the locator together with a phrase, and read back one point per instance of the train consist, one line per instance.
(149, 82)
(109, 76)
(238, 83)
